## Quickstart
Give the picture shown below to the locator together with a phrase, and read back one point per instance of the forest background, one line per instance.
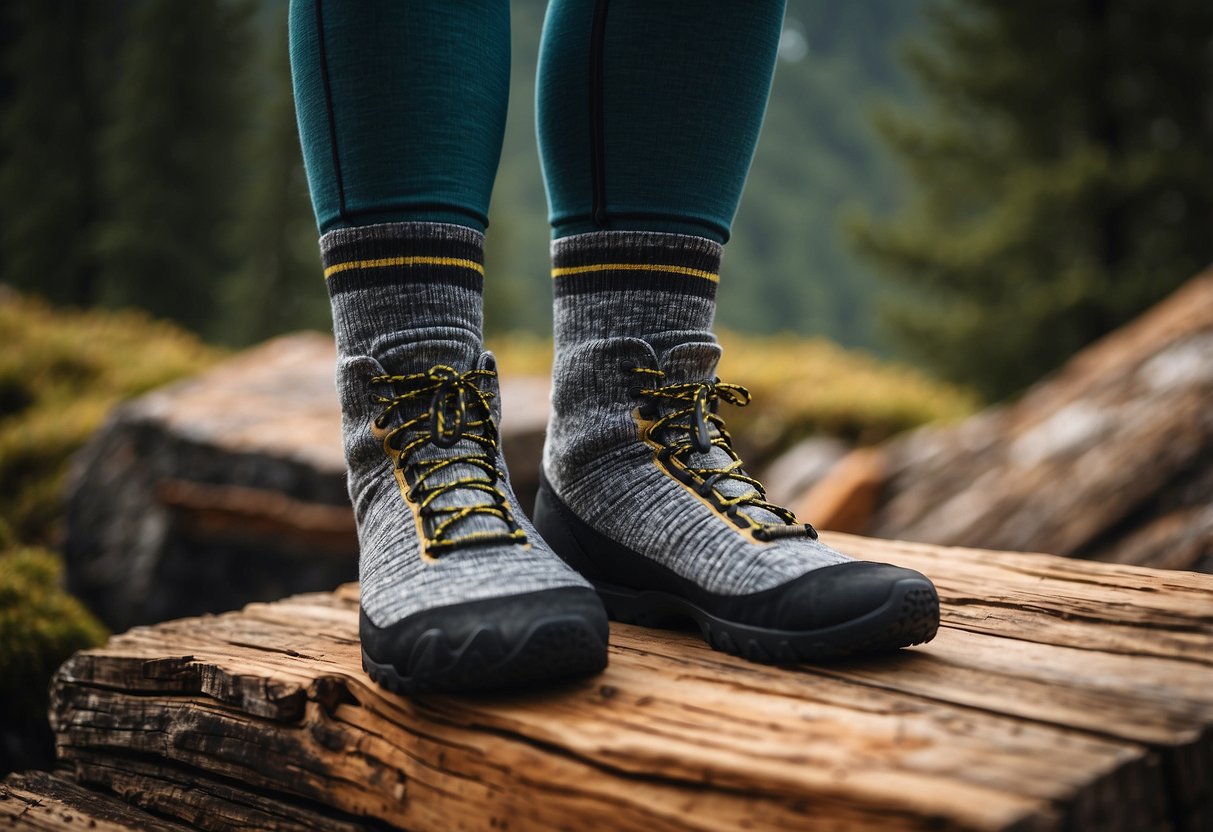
(176, 124)
(1025, 177)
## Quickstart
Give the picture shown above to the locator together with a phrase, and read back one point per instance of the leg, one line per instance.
(643, 492)
(401, 111)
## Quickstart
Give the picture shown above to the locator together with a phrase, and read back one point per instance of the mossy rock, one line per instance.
(40, 627)
(61, 371)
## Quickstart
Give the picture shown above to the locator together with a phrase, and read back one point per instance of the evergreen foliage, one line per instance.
(1062, 176)
(49, 165)
(276, 285)
(169, 150)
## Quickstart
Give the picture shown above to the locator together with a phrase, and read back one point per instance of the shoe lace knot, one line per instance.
(683, 420)
(445, 409)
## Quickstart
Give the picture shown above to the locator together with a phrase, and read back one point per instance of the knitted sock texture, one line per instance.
(420, 405)
(629, 301)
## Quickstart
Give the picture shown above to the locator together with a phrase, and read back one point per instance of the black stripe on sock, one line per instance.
(386, 248)
(643, 255)
(381, 277)
(629, 281)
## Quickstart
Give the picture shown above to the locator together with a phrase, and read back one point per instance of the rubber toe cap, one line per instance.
(493, 642)
(841, 593)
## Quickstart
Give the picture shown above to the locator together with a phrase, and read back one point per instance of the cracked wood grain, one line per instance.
(1037, 707)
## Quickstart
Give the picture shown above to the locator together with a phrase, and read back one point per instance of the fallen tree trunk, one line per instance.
(37, 800)
(1111, 458)
(1058, 694)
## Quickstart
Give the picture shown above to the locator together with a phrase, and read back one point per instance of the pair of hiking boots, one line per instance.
(644, 515)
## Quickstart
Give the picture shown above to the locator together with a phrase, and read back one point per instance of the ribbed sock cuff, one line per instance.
(402, 253)
(633, 283)
(396, 283)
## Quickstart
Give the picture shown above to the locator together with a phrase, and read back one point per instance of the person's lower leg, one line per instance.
(401, 112)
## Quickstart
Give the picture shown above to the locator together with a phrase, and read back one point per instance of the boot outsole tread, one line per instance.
(555, 648)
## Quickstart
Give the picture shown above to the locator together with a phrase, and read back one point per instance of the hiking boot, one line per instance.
(458, 592)
(644, 495)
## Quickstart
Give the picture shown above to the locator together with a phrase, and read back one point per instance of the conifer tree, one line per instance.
(49, 167)
(170, 153)
(1064, 179)
(278, 285)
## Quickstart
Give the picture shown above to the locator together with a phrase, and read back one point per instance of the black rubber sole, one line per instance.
(910, 616)
(497, 644)
(852, 608)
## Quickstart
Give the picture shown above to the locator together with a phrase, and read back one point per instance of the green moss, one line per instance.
(60, 373)
(40, 627)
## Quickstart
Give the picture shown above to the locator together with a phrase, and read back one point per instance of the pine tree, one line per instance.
(278, 285)
(50, 118)
(170, 154)
(1063, 179)
(787, 266)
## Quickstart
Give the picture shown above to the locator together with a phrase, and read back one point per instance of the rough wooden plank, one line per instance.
(986, 728)
(206, 802)
(38, 800)
(1124, 609)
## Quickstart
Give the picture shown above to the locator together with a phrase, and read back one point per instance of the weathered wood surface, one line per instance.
(1110, 458)
(37, 800)
(1058, 694)
(230, 487)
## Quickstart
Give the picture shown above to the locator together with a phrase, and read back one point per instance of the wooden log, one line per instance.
(1058, 694)
(221, 489)
(1111, 458)
(38, 800)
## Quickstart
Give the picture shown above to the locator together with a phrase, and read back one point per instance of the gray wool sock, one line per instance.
(634, 350)
(419, 402)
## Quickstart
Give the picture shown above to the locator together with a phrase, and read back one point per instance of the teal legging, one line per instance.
(648, 110)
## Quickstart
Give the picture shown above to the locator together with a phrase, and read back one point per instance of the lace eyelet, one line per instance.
(627, 365)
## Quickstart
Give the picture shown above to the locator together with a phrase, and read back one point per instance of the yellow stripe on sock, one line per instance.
(635, 267)
(404, 261)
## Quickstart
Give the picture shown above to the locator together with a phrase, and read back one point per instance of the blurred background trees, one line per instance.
(1050, 174)
(149, 157)
(1062, 180)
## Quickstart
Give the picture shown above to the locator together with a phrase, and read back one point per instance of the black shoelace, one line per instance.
(686, 428)
(458, 410)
